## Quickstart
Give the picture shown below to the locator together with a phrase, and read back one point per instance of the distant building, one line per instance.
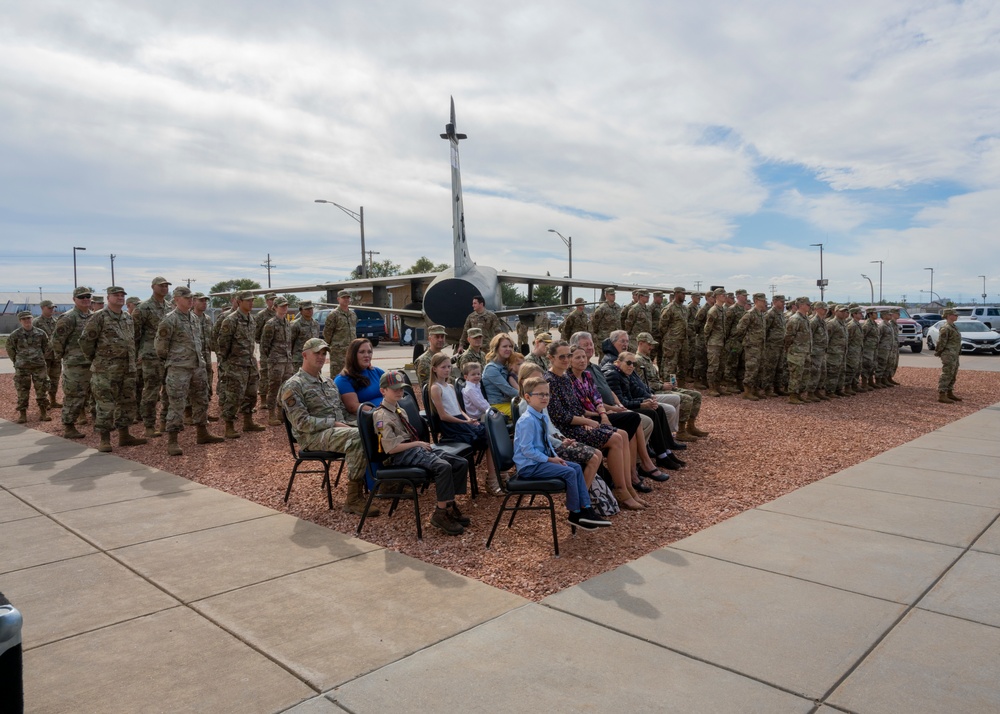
(13, 303)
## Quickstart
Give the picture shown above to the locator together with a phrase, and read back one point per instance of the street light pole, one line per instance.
(113, 256)
(870, 286)
(569, 244)
(932, 281)
(359, 216)
(822, 283)
(75, 248)
(984, 288)
(879, 280)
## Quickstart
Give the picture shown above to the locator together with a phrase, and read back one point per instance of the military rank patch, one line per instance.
(289, 401)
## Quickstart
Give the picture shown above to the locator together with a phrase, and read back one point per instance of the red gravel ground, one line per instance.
(757, 451)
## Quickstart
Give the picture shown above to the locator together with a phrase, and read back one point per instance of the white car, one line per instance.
(976, 337)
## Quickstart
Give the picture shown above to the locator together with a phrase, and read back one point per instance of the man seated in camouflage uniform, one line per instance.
(319, 420)
(690, 405)
(473, 354)
(26, 348)
(540, 350)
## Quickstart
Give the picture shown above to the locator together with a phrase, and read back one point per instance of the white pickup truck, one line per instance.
(989, 316)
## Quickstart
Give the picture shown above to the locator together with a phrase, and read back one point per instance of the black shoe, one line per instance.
(576, 519)
(655, 474)
(678, 462)
(589, 516)
(669, 464)
(642, 487)
(676, 445)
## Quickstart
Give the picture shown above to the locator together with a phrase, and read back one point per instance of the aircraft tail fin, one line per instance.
(463, 263)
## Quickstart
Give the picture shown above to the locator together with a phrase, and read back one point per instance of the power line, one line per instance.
(194, 280)
(269, 265)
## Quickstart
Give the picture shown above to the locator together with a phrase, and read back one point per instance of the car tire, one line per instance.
(374, 341)
(917, 347)
(930, 343)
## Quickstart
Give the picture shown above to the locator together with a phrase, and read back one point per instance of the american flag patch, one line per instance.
(378, 424)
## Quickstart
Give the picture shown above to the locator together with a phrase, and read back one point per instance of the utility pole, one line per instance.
(773, 289)
(113, 256)
(370, 262)
(821, 283)
(268, 264)
(697, 286)
(880, 262)
(194, 280)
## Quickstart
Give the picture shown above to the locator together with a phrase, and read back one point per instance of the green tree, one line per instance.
(293, 300)
(511, 296)
(378, 269)
(230, 286)
(425, 265)
(548, 295)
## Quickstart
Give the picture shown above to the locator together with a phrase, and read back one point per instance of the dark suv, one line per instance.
(926, 320)
(371, 324)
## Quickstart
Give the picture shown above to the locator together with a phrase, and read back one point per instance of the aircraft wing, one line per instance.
(402, 312)
(536, 308)
(505, 276)
(341, 285)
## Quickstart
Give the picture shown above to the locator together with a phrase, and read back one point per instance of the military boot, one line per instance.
(943, 398)
(274, 418)
(713, 389)
(761, 393)
(693, 429)
(769, 392)
(70, 432)
(152, 432)
(813, 397)
(249, 425)
(105, 446)
(53, 403)
(173, 448)
(231, 432)
(794, 398)
(213, 418)
(22, 416)
(204, 437)
(893, 382)
(43, 414)
(682, 433)
(749, 395)
(356, 500)
(823, 396)
(126, 439)
(952, 397)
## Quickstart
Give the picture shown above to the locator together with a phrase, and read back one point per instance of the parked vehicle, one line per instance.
(910, 332)
(927, 319)
(370, 324)
(989, 316)
(976, 337)
(555, 318)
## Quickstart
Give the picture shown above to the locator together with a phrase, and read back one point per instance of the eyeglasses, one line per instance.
(562, 356)
(540, 395)
(84, 297)
(629, 362)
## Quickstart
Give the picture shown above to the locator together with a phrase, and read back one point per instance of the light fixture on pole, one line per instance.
(931, 291)
(113, 256)
(870, 286)
(75, 248)
(359, 216)
(569, 244)
(879, 279)
(821, 282)
(984, 288)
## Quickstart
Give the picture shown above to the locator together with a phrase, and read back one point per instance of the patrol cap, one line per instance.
(244, 295)
(133, 301)
(609, 290)
(343, 293)
(657, 293)
(841, 308)
(199, 296)
(392, 380)
(853, 308)
(114, 290)
(315, 344)
(741, 291)
(306, 305)
(778, 297)
(579, 301)
(760, 296)
(437, 330)
(642, 293)
(271, 296)
(679, 290)
(99, 299)
(160, 280)
(182, 291)
(819, 304)
(82, 292)
(720, 291)
(475, 332)
(278, 302)
(647, 338)
(804, 300)
(46, 303)
(24, 314)
(872, 310)
(540, 337)
(948, 311)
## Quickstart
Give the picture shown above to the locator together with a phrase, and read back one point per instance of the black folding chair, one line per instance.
(412, 476)
(502, 448)
(434, 424)
(301, 456)
(456, 448)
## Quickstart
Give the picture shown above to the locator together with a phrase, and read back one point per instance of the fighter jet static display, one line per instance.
(445, 298)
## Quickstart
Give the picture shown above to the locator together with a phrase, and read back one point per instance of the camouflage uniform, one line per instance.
(276, 353)
(52, 365)
(894, 353)
(949, 349)
(543, 323)
(207, 347)
(819, 341)
(108, 340)
(302, 329)
(836, 354)
(522, 337)
(223, 314)
(576, 321)
(699, 358)
(338, 332)
(423, 367)
(313, 406)
(693, 334)
(146, 321)
(541, 360)
(27, 349)
(639, 319)
(469, 355)
(76, 366)
(734, 344)
(259, 320)
(774, 368)
(886, 344)
(487, 321)
(798, 353)
(690, 405)
(605, 320)
(237, 367)
(715, 342)
(751, 330)
(869, 347)
(674, 339)
(179, 345)
(852, 365)
(655, 311)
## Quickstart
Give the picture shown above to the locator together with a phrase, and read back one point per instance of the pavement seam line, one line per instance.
(929, 498)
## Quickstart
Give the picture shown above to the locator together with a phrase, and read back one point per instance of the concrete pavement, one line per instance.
(873, 590)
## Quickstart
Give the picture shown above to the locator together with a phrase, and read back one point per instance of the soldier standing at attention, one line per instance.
(131, 304)
(606, 318)
(108, 340)
(639, 319)
(473, 354)
(340, 330)
(774, 366)
(734, 345)
(238, 390)
(852, 366)
(692, 311)
(798, 352)
(303, 330)
(482, 318)
(576, 321)
(435, 343)
(76, 366)
(276, 352)
(259, 320)
(26, 347)
(699, 358)
(886, 344)
(96, 304)
(178, 343)
(893, 364)
(817, 378)
(869, 348)
(655, 310)
(949, 349)
(199, 309)
(836, 352)
(146, 320)
(715, 342)
(542, 322)
(628, 308)
(522, 337)
(673, 331)
(751, 330)
(234, 305)
(53, 367)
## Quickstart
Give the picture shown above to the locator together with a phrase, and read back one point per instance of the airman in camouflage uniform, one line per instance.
(319, 420)
(108, 341)
(542, 322)
(276, 352)
(655, 310)
(836, 351)
(751, 330)
(886, 343)
(692, 311)
(734, 345)
(47, 323)
(715, 342)
(26, 347)
(628, 308)
(339, 331)
(235, 346)
(606, 318)
(639, 319)
(949, 349)
(304, 328)
(96, 303)
(699, 357)
(234, 305)
(690, 406)
(131, 305)
(817, 377)
(474, 353)
(522, 337)
(259, 320)
(76, 366)
(435, 343)
(146, 320)
(869, 348)
(674, 335)
(540, 351)
(576, 321)
(798, 352)
(774, 366)
(852, 365)
(484, 319)
(199, 309)
(893, 363)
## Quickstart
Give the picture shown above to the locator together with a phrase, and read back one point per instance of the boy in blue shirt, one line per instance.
(535, 457)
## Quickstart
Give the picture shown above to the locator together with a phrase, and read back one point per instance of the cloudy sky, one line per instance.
(676, 142)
